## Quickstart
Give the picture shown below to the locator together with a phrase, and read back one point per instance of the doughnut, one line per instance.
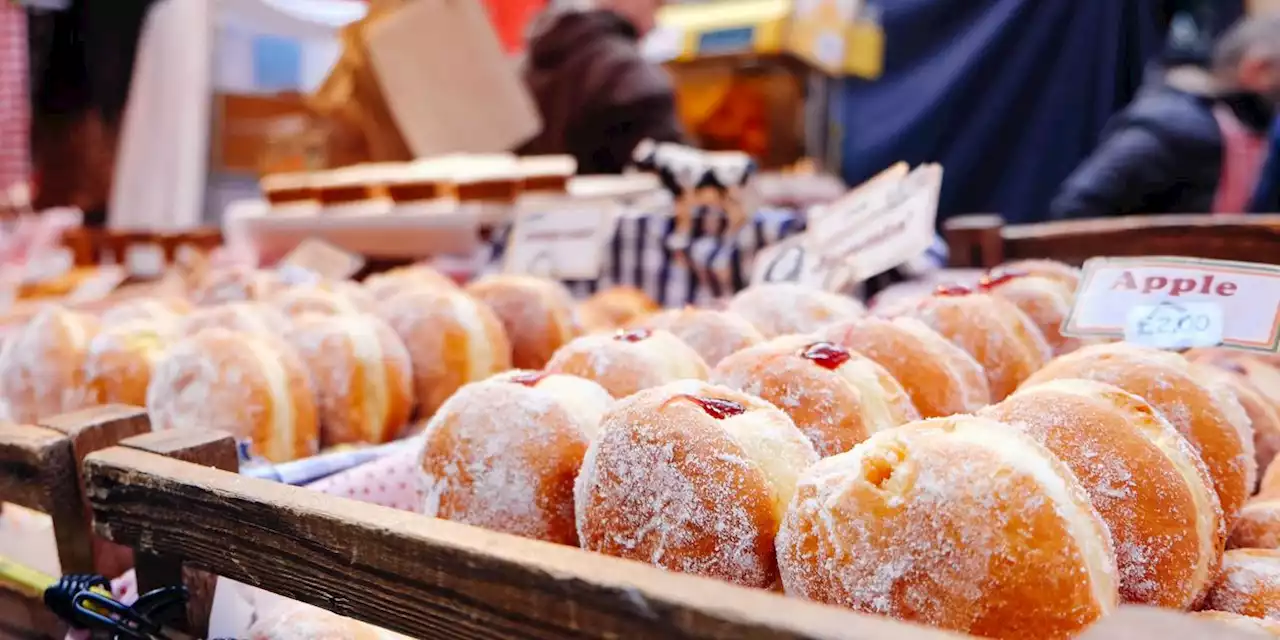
(1141, 475)
(235, 284)
(692, 478)
(537, 314)
(247, 317)
(42, 365)
(452, 339)
(1242, 623)
(296, 621)
(993, 330)
(629, 361)
(614, 308)
(1270, 485)
(1203, 411)
(389, 284)
(1052, 269)
(1258, 526)
(1249, 584)
(249, 385)
(836, 397)
(167, 310)
(121, 357)
(503, 453)
(713, 334)
(957, 523)
(321, 299)
(361, 374)
(941, 378)
(1249, 378)
(780, 309)
(1046, 301)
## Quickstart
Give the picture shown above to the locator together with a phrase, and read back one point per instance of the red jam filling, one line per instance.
(826, 355)
(528, 378)
(999, 277)
(717, 408)
(952, 290)
(635, 335)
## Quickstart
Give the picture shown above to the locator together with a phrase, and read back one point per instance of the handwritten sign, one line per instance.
(323, 259)
(562, 238)
(1172, 302)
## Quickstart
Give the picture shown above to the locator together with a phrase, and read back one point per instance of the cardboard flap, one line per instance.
(447, 81)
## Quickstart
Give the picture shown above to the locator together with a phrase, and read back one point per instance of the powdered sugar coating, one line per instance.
(624, 367)
(42, 365)
(384, 286)
(1052, 269)
(1047, 302)
(782, 309)
(1263, 411)
(163, 310)
(537, 314)
(1258, 526)
(713, 334)
(955, 523)
(503, 455)
(316, 298)
(1196, 405)
(667, 484)
(246, 317)
(1249, 584)
(121, 357)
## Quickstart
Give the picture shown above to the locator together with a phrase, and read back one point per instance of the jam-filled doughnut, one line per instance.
(389, 284)
(1249, 584)
(713, 334)
(941, 378)
(955, 523)
(361, 375)
(693, 478)
(993, 330)
(1142, 476)
(780, 309)
(629, 361)
(452, 339)
(121, 358)
(537, 314)
(42, 366)
(503, 453)
(1258, 526)
(250, 385)
(614, 308)
(1201, 408)
(1051, 269)
(1249, 379)
(838, 398)
(247, 317)
(1046, 301)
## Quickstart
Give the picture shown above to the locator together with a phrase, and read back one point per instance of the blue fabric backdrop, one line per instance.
(1009, 95)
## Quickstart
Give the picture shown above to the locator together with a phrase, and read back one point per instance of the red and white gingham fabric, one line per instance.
(15, 99)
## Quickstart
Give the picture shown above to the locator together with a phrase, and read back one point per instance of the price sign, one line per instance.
(1175, 303)
(562, 238)
(321, 258)
(1168, 325)
(144, 260)
(790, 261)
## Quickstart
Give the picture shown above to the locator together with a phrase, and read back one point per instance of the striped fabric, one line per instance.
(15, 97)
(716, 264)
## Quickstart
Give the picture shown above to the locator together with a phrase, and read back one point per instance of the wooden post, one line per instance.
(975, 241)
(208, 449)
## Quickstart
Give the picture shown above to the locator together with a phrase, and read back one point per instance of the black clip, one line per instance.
(74, 600)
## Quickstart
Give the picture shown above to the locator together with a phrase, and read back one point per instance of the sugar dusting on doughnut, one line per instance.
(630, 361)
(781, 309)
(1249, 584)
(42, 365)
(713, 334)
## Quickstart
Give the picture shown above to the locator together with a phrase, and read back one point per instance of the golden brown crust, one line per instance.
(246, 317)
(120, 359)
(624, 366)
(614, 308)
(42, 366)
(784, 309)
(537, 314)
(1052, 269)
(1047, 302)
(1257, 387)
(324, 300)
(1144, 479)
(713, 334)
(1258, 526)
(1168, 382)
(954, 523)
(941, 378)
(1249, 584)
(384, 286)
(835, 408)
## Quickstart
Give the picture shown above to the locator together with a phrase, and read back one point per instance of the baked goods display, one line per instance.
(713, 334)
(1249, 584)
(42, 365)
(388, 284)
(694, 478)
(1045, 300)
(322, 299)
(614, 308)
(248, 317)
(164, 310)
(503, 453)
(629, 361)
(121, 358)
(957, 523)
(1250, 379)
(1258, 526)
(536, 313)
(361, 376)
(836, 397)
(781, 309)
(1051, 269)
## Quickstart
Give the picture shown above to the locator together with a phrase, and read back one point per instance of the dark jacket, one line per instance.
(597, 96)
(1161, 154)
(1266, 197)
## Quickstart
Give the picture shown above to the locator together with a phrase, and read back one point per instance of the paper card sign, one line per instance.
(99, 285)
(790, 261)
(1173, 302)
(323, 259)
(144, 260)
(564, 240)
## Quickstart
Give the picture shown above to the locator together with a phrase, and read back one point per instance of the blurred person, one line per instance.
(1193, 142)
(597, 95)
(1266, 197)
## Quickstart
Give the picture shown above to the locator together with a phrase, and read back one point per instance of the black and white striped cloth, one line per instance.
(716, 264)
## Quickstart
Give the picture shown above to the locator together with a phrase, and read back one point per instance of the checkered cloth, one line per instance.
(15, 97)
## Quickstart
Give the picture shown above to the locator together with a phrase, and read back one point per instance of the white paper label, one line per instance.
(1116, 294)
(144, 260)
(791, 261)
(1171, 325)
(322, 258)
(563, 240)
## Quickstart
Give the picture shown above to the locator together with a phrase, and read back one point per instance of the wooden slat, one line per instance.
(425, 577)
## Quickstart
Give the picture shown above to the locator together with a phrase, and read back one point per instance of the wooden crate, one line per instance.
(985, 241)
